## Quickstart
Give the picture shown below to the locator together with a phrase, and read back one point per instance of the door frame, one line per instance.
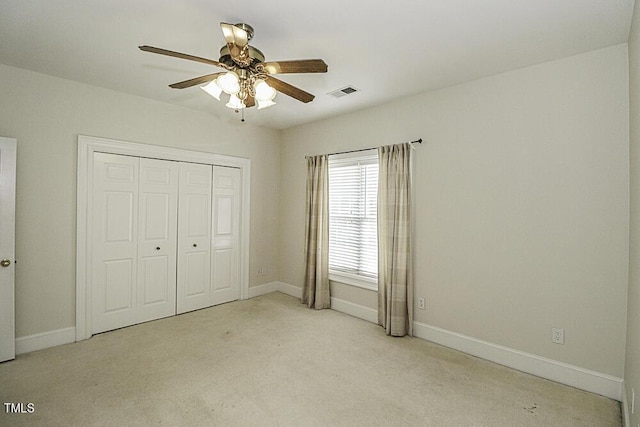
(87, 145)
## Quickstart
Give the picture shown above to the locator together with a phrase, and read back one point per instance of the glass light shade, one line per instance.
(235, 103)
(229, 82)
(264, 92)
(212, 89)
(265, 103)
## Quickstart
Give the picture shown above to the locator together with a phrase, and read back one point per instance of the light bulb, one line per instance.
(212, 89)
(264, 92)
(235, 103)
(229, 82)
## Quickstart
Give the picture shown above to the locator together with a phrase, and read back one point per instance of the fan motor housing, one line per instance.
(255, 54)
(247, 28)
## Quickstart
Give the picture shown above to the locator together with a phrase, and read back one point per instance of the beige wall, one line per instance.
(46, 114)
(521, 204)
(632, 365)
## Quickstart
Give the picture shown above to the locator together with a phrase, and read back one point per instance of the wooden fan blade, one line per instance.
(238, 43)
(195, 81)
(290, 90)
(296, 66)
(179, 55)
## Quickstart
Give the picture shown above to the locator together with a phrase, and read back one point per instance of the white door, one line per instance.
(8, 148)
(157, 239)
(194, 237)
(134, 240)
(225, 267)
(115, 233)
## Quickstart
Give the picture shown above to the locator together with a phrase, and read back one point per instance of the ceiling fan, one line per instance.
(248, 78)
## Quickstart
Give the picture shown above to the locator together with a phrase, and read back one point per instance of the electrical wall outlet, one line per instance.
(557, 335)
(421, 303)
(261, 271)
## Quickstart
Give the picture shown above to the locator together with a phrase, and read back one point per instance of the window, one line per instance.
(353, 229)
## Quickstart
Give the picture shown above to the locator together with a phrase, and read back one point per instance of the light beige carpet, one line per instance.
(270, 361)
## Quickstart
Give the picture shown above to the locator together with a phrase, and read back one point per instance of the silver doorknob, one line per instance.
(5, 263)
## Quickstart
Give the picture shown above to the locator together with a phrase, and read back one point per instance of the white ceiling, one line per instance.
(387, 49)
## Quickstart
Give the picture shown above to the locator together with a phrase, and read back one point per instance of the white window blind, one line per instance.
(353, 234)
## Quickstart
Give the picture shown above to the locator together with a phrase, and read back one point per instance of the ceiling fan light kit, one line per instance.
(240, 89)
(248, 78)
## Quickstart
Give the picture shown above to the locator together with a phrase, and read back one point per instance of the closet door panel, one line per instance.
(196, 274)
(118, 285)
(194, 242)
(154, 277)
(157, 239)
(223, 278)
(114, 225)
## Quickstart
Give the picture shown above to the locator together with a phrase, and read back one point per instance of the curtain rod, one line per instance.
(417, 141)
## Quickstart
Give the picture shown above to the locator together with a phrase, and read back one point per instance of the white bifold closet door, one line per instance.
(194, 242)
(208, 269)
(165, 238)
(225, 285)
(134, 240)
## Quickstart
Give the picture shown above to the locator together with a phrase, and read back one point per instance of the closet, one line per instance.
(165, 238)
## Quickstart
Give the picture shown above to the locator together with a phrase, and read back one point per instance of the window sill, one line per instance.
(353, 280)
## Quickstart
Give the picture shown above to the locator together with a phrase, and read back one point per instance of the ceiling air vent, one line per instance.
(343, 92)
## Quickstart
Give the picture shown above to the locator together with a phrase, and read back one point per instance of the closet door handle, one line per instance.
(157, 248)
(195, 246)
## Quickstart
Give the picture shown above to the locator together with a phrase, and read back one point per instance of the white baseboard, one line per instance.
(267, 288)
(355, 310)
(291, 290)
(45, 340)
(561, 372)
(626, 410)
